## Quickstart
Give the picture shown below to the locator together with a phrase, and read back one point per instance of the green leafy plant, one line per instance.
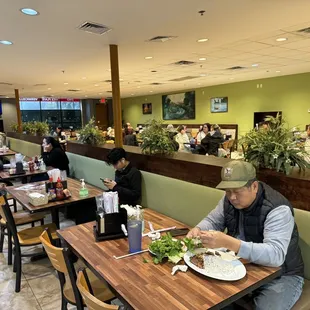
(156, 139)
(90, 134)
(29, 128)
(42, 128)
(273, 147)
(14, 127)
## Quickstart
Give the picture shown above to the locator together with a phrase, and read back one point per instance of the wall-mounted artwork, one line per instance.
(219, 104)
(146, 108)
(179, 106)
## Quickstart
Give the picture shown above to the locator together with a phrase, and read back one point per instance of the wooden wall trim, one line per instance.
(198, 169)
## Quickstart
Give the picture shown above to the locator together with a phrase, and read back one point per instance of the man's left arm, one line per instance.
(278, 230)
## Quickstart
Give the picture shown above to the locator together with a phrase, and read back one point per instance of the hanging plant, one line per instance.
(273, 147)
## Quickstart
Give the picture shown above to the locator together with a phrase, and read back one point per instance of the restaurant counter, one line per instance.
(197, 169)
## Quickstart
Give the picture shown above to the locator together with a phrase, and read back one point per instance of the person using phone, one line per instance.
(127, 181)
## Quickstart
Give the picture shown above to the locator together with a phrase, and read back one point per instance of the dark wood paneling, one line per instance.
(198, 169)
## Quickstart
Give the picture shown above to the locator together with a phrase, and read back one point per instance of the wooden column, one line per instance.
(19, 116)
(117, 109)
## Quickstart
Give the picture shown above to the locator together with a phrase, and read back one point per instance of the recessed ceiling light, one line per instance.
(203, 58)
(202, 74)
(49, 88)
(281, 39)
(121, 80)
(86, 96)
(66, 83)
(109, 70)
(5, 42)
(100, 93)
(84, 78)
(28, 11)
(255, 65)
(199, 83)
(278, 71)
(52, 95)
(132, 94)
(96, 85)
(138, 86)
(232, 78)
(7, 97)
(151, 91)
(202, 40)
(148, 57)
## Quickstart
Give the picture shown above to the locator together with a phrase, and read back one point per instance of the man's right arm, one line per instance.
(215, 219)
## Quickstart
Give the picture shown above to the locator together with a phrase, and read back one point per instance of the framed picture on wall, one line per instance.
(219, 104)
(146, 108)
(179, 106)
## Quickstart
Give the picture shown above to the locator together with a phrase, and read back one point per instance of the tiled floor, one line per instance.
(40, 288)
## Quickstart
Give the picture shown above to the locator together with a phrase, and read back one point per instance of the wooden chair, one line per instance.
(91, 301)
(59, 258)
(24, 238)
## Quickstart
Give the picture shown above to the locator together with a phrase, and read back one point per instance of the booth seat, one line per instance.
(184, 201)
(24, 147)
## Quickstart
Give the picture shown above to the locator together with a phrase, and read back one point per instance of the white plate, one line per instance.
(219, 269)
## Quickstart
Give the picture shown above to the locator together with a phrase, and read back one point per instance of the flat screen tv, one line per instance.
(219, 104)
(259, 117)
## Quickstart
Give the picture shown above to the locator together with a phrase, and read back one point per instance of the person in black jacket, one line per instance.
(127, 178)
(212, 141)
(53, 155)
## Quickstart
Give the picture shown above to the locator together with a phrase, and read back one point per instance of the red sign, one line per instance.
(102, 100)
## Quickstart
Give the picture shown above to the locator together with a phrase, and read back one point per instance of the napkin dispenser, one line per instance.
(109, 226)
(19, 168)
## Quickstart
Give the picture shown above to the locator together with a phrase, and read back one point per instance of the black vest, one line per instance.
(254, 218)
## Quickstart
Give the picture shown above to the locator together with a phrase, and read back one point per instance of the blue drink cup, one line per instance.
(134, 228)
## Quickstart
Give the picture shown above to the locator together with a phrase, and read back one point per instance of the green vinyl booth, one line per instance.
(184, 201)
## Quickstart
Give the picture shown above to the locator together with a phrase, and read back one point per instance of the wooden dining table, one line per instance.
(6, 176)
(73, 186)
(140, 284)
(7, 153)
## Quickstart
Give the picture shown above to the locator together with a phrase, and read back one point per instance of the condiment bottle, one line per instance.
(59, 189)
(83, 190)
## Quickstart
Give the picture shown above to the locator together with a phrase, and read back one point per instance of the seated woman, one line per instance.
(54, 156)
(213, 140)
(203, 132)
(182, 138)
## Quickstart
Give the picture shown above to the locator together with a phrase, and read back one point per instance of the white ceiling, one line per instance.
(240, 33)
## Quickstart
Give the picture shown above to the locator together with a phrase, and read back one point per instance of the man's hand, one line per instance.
(110, 184)
(217, 239)
(194, 233)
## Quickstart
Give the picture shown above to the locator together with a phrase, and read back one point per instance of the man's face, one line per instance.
(243, 197)
(120, 164)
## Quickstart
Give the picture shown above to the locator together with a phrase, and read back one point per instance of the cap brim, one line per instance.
(231, 184)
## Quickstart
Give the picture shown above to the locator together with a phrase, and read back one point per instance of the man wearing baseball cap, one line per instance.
(260, 228)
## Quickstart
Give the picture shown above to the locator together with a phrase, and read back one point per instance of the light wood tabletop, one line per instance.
(7, 153)
(74, 187)
(148, 286)
(5, 175)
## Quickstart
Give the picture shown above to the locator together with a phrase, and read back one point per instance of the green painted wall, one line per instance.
(289, 94)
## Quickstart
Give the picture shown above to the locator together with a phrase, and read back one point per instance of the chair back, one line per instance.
(2, 202)
(60, 260)
(91, 301)
(55, 255)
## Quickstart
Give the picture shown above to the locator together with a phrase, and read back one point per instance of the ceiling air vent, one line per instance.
(39, 84)
(94, 28)
(109, 91)
(108, 81)
(236, 68)
(7, 84)
(73, 90)
(304, 30)
(184, 63)
(161, 38)
(156, 83)
(184, 78)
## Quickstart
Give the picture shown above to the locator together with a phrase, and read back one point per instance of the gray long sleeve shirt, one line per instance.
(278, 230)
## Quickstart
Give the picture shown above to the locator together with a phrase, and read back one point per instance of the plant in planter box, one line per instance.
(274, 147)
(42, 128)
(14, 127)
(29, 128)
(90, 134)
(156, 139)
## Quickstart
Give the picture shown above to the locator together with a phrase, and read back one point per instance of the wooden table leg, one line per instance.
(55, 217)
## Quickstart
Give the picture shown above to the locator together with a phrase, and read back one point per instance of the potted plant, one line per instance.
(90, 134)
(14, 127)
(42, 128)
(274, 147)
(156, 139)
(29, 128)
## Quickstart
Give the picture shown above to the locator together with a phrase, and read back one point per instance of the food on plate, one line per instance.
(198, 260)
(172, 248)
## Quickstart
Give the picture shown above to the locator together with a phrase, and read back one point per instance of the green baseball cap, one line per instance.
(236, 174)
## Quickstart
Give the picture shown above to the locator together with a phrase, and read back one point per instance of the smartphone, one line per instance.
(179, 232)
(103, 180)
